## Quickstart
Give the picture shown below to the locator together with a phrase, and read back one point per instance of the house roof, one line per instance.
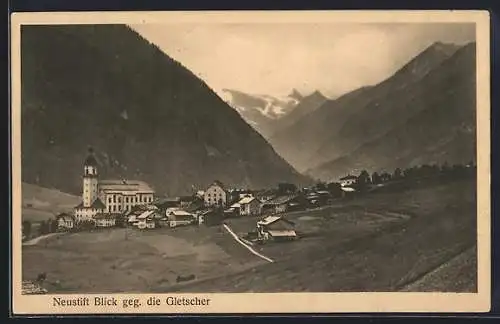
(280, 200)
(348, 189)
(349, 177)
(180, 212)
(97, 204)
(273, 219)
(205, 211)
(246, 200)
(236, 205)
(125, 185)
(282, 233)
(65, 216)
(217, 183)
(145, 214)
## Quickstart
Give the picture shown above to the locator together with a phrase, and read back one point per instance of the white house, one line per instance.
(215, 195)
(109, 196)
(249, 206)
(144, 220)
(276, 228)
(178, 217)
(65, 221)
(348, 180)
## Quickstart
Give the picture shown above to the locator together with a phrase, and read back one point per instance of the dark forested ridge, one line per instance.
(146, 116)
(437, 124)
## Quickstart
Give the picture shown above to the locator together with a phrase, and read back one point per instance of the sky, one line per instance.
(273, 59)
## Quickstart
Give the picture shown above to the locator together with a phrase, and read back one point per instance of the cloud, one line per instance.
(275, 58)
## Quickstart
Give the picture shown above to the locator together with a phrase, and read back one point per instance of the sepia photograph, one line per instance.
(284, 158)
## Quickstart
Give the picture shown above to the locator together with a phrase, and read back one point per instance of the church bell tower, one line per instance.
(90, 180)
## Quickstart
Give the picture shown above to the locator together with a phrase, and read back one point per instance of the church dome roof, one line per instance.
(90, 160)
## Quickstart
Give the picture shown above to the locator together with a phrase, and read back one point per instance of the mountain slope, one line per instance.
(307, 105)
(442, 126)
(340, 126)
(146, 116)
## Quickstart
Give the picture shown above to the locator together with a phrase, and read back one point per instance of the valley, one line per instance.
(388, 241)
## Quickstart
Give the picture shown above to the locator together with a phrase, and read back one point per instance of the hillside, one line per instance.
(404, 240)
(340, 126)
(145, 115)
(434, 124)
(40, 203)
(306, 105)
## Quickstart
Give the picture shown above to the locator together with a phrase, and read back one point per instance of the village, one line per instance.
(125, 203)
(133, 204)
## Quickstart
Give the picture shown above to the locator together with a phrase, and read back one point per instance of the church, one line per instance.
(108, 196)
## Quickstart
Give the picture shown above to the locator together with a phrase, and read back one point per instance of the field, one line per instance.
(419, 239)
(119, 260)
(39, 204)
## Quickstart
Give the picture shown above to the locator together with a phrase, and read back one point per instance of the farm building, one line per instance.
(249, 206)
(65, 221)
(282, 204)
(318, 198)
(144, 220)
(265, 195)
(276, 228)
(32, 288)
(178, 217)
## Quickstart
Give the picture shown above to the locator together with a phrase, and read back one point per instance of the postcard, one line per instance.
(250, 162)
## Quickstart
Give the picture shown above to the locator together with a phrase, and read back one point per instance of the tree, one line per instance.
(397, 173)
(287, 188)
(445, 167)
(27, 228)
(121, 220)
(320, 186)
(376, 178)
(51, 226)
(335, 189)
(86, 225)
(364, 178)
(44, 228)
(385, 177)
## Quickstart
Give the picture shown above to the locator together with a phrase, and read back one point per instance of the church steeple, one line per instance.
(90, 180)
(90, 164)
